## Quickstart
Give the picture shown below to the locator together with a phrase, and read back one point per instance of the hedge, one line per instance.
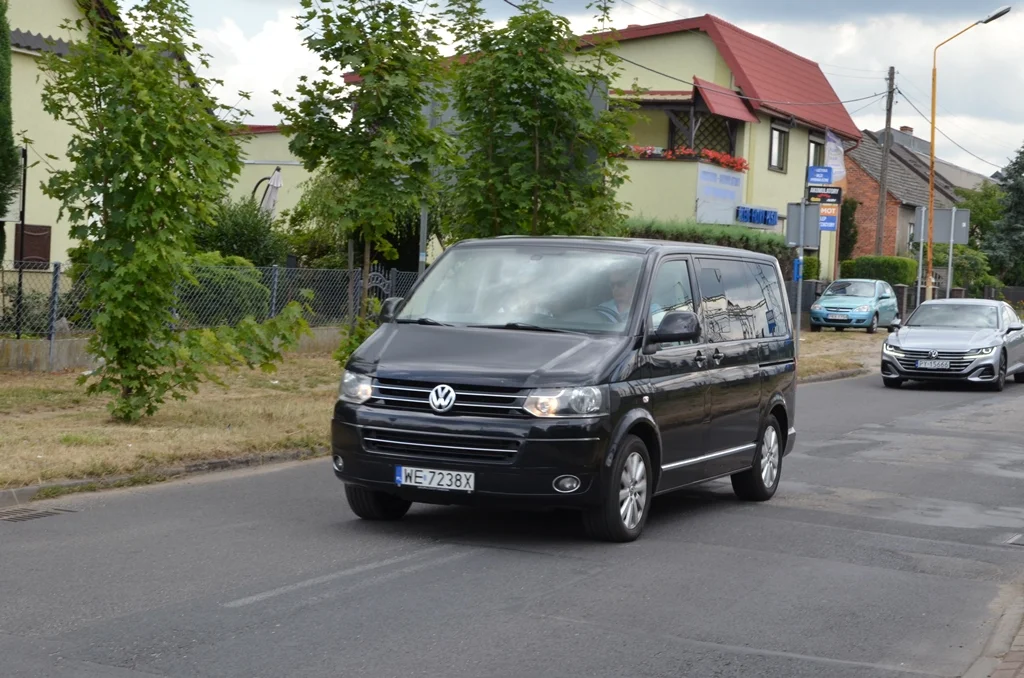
(812, 268)
(226, 290)
(893, 270)
(739, 237)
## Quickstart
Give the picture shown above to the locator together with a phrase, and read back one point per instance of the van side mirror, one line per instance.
(895, 325)
(676, 326)
(389, 309)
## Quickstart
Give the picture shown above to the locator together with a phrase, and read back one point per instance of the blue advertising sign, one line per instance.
(828, 222)
(757, 216)
(819, 175)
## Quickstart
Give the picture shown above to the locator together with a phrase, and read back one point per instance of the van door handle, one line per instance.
(717, 356)
(700, 359)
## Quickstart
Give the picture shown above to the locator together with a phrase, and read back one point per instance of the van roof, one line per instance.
(636, 245)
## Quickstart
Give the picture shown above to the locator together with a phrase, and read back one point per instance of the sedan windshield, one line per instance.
(850, 288)
(969, 316)
(529, 288)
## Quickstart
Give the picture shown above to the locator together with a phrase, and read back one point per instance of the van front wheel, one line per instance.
(760, 481)
(371, 505)
(627, 494)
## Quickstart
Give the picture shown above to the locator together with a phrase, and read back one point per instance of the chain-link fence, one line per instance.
(45, 300)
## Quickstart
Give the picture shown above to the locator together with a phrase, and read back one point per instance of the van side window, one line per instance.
(730, 297)
(671, 291)
(770, 320)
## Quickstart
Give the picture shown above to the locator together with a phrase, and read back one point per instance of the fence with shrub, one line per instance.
(45, 301)
(893, 270)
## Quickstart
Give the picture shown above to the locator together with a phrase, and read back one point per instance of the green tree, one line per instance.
(374, 138)
(538, 157)
(848, 231)
(10, 158)
(1004, 242)
(986, 206)
(148, 161)
(240, 228)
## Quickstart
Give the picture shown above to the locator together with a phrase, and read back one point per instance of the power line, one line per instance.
(645, 11)
(948, 138)
(868, 105)
(855, 77)
(975, 134)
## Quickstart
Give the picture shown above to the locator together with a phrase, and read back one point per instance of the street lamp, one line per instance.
(1002, 11)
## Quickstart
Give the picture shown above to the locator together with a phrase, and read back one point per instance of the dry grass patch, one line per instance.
(53, 432)
(830, 351)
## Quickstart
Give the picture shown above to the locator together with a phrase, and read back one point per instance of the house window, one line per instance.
(778, 149)
(816, 153)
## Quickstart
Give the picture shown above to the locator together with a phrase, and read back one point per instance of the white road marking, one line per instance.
(323, 579)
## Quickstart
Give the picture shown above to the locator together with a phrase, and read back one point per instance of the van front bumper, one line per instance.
(515, 460)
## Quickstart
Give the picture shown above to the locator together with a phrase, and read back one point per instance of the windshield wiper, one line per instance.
(525, 326)
(422, 321)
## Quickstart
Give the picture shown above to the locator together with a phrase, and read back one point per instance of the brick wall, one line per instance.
(863, 188)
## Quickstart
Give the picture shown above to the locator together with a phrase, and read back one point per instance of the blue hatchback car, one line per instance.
(857, 303)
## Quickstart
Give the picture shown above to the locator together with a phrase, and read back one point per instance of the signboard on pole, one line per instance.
(829, 217)
(826, 195)
(812, 232)
(942, 226)
(819, 175)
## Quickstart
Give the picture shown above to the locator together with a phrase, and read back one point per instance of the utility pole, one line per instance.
(883, 177)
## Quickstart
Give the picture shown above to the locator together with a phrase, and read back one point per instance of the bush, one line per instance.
(740, 237)
(970, 268)
(848, 268)
(242, 229)
(227, 289)
(812, 268)
(893, 270)
(353, 337)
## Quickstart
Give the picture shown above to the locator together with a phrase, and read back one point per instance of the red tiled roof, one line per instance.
(723, 101)
(261, 129)
(776, 79)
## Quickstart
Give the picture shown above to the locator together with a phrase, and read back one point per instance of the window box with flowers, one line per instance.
(685, 153)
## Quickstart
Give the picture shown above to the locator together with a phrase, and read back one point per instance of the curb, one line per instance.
(1003, 656)
(23, 495)
(834, 376)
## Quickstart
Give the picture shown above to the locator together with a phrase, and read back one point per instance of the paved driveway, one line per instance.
(882, 555)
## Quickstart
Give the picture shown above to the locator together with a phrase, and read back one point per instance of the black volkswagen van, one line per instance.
(591, 373)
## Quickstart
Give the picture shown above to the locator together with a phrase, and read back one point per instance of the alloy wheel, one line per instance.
(769, 456)
(633, 490)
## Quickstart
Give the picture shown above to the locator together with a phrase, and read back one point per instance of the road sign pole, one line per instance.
(949, 264)
(798, 270)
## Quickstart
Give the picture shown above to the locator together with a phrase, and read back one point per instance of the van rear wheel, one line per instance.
(626, 496)
(759, 482)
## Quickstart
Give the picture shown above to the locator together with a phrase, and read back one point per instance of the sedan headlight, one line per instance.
(862, 309)
(817, 307)
(978, 352)
(580, 401)
(355, 388)
(894, 351)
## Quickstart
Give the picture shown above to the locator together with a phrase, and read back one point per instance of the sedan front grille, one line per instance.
(469, 400)
(958, 360)
(440, 446)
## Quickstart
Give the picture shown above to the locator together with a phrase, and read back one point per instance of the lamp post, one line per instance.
(1002, 11)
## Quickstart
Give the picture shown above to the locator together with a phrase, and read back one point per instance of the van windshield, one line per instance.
(530, 287)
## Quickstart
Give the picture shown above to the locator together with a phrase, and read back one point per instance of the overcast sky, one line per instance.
(981, 81)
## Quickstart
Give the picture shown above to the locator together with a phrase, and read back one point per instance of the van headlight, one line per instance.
(978, 352)
(578, 401)
(355, 388)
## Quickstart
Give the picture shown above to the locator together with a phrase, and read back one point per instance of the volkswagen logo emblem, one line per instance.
(442, 398)
(934, 354)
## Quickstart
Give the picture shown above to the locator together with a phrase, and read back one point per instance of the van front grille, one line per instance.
(440, 446)
(485, 401)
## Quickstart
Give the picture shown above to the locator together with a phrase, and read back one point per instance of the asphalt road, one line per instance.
(882, 555)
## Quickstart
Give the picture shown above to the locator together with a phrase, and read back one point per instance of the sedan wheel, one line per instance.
(1000, 381)
(873, 327)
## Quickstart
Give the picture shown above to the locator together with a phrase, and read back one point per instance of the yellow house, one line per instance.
(35, 24)
(265, 149)
(711, 85)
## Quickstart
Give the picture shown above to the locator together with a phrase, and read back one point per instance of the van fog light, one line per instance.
(566, 484)
(339, 463)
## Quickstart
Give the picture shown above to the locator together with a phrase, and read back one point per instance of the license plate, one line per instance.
(458, 481)
(838, 316)
(933, 364)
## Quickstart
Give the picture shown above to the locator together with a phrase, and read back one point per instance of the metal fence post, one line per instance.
(273, 292)
(393, 283)
(54, 292)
